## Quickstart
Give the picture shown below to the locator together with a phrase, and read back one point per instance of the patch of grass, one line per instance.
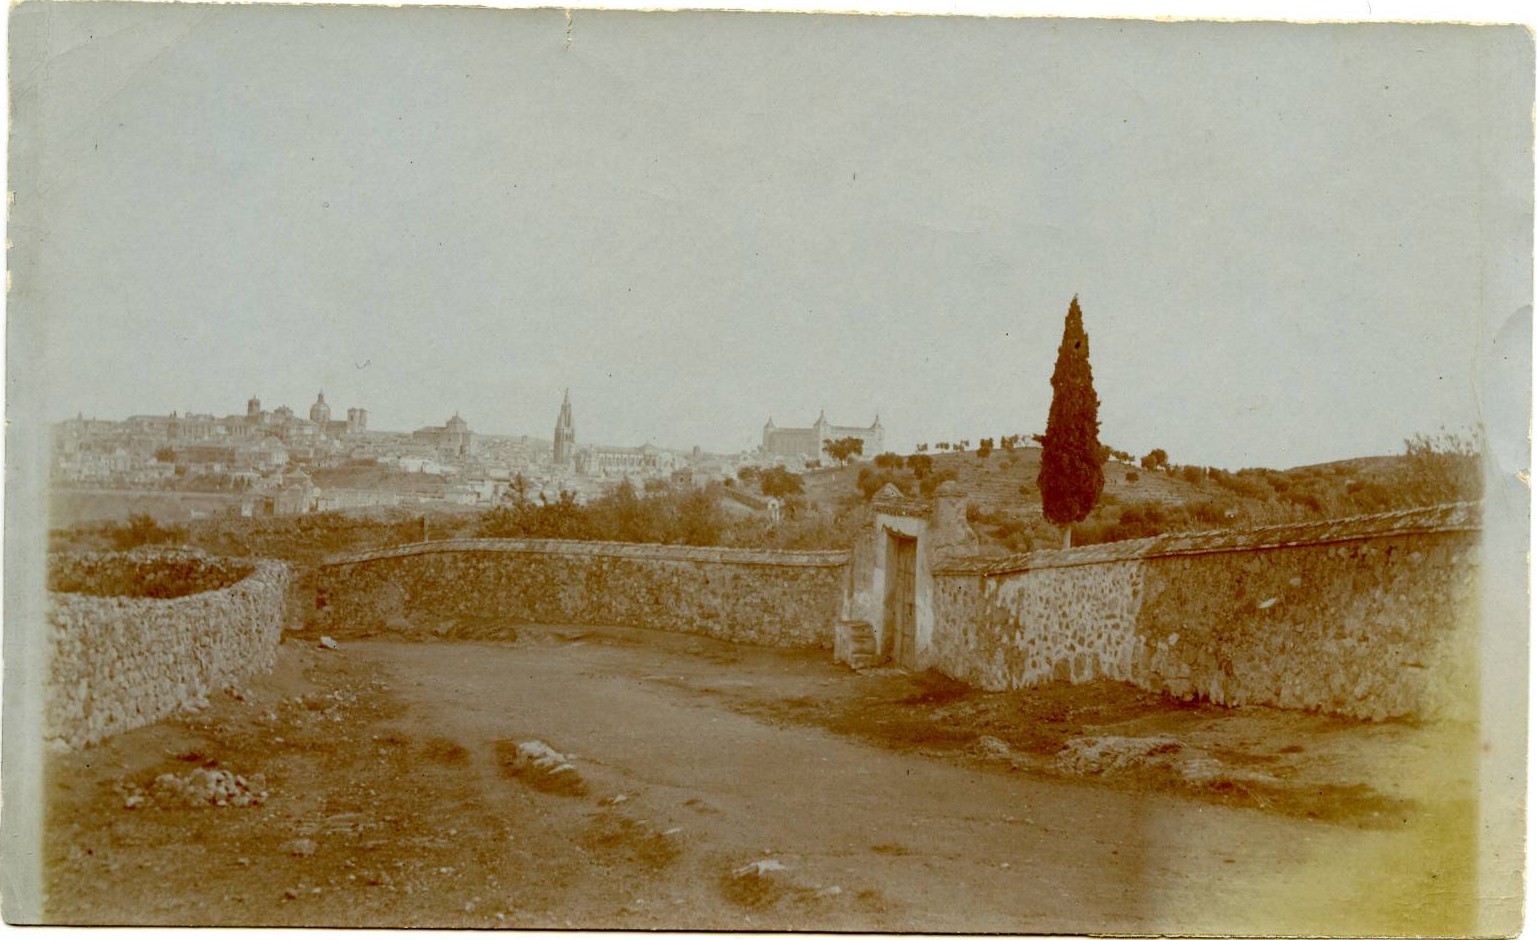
(612, 836)
(752, 891)
(444, 751)
(938, 689)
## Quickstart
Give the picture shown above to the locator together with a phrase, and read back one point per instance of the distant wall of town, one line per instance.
(767, 598)
(134, 637)
(1373, 617)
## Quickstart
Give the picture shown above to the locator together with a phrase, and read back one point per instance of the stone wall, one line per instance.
(780, 598)
(1373, 617)
(1022, 628)
(120, 661)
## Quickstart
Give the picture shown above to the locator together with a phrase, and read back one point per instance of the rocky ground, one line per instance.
(630, 779)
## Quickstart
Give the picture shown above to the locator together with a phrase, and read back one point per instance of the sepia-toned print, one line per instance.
(602, 470)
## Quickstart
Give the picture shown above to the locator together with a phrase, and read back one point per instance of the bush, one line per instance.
(142, 529)
(561, 519)
(777, 481)
(1443, 468)
(671, 518)
(931, 482)
(870, 482)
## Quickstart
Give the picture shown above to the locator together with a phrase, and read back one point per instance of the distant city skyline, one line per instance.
(1292, 244)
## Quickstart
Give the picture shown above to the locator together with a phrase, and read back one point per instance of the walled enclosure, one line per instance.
(767, 598)
(135, 637)
(1372, 617)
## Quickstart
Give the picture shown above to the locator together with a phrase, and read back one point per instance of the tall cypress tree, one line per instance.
(1072, 475)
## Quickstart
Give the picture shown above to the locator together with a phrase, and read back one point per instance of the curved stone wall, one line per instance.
(119, 661)
(767, 598)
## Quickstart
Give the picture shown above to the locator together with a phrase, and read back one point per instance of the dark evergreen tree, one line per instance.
(1072, 473)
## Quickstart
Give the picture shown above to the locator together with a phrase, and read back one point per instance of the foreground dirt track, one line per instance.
(726, 787)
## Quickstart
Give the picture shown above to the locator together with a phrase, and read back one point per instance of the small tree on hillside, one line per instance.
(844, 449)
(888, 461)
(920, 464)
(1072, 472)
(985, 447)
(777, 481)
(1156, 459)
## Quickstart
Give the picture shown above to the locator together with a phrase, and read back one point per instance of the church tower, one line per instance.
(565, 433)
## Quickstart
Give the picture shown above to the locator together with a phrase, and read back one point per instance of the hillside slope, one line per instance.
(1004, 502)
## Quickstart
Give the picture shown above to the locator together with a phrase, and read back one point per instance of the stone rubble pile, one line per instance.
(1111, 753)
(201, 786)
(544, 768)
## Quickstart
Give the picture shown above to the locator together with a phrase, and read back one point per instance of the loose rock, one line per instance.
(299, 847)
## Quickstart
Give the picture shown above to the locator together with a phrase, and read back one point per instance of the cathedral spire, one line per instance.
(565, 432)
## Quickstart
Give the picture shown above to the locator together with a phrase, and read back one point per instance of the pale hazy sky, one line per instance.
(1291, 243)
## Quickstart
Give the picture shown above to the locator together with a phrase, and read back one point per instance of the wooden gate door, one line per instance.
(901, 597)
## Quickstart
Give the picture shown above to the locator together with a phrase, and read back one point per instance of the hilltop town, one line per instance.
(276, 462)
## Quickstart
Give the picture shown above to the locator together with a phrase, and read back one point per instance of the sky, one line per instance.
(1291, 243)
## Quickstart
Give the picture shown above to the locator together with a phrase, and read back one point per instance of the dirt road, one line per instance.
(713, 786)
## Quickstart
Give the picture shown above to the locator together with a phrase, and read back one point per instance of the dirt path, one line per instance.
(395, 798)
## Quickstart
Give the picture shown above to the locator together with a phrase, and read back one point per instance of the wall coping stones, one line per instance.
(903, 506)
(637, 550)
(1447, 517)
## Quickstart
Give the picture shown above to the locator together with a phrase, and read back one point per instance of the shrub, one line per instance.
(142, 529)
(1443, 467)
(870, 483)
(931, 482)
(777, 481)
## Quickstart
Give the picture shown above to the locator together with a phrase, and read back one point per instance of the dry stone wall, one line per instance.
(1072, 624)
(1374, 628)
(1374, 617)
(120, 661)
(789, 599)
